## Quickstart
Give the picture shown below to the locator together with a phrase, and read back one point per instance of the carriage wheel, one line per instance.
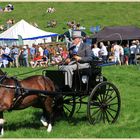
(104, 103)
(69, 105)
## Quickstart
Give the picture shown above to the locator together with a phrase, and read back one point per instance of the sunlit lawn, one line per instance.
(25, 123)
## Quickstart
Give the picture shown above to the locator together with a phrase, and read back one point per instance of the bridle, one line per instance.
(3, 85)
(18, 90)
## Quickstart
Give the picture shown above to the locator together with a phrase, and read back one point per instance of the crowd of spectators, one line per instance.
(44, 55)
(120, 54)
(36, 55)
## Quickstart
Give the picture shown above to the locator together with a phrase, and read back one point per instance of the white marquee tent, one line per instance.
(27, 32)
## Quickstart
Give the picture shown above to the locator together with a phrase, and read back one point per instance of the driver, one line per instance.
(79, 52)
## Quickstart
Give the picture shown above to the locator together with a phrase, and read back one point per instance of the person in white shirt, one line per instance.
(96, 50)
(122, 55)
(1, 53)
(103, 52)
(117, 49)
(40, 49)
(6, 50)
(132, 52)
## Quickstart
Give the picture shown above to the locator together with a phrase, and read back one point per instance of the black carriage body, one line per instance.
(94, 75)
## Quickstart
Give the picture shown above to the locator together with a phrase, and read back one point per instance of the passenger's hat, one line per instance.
(76, 34)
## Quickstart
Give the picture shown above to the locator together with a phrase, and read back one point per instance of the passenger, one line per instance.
(80, 53)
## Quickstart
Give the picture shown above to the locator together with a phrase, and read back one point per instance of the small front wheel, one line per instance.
(69, 105)
(104, 103)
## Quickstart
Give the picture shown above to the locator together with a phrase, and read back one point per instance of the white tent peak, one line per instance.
(26, 31)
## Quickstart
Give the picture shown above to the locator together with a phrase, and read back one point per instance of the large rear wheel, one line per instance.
(104, 103)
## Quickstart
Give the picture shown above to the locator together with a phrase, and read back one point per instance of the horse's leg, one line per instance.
(48, 114)
(44, 119)
(49, 120)
(1, 124)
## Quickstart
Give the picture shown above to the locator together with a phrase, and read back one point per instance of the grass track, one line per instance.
(26, 124)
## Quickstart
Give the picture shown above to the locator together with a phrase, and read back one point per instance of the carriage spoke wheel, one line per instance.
(104, 103)
(68, 105)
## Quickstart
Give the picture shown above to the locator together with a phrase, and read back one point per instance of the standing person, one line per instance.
(46, 51)
(14, 55)
(96, 50)
(103, 52)
(32, 51)
(1, 58)
(122, 55)
(21, 59)
(40, 49)
(81, 53)
(6, 49)
(117, 53)
(6, 57)
(25, 56)
(132, 52)
(126, 54)
(138, 47)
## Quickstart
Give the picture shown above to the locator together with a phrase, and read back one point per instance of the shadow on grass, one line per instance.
(34, 122)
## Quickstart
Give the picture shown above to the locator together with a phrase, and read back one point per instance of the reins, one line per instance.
(29, 72)
(8, 86)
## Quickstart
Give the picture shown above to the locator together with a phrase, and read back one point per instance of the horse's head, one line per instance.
(6, 92)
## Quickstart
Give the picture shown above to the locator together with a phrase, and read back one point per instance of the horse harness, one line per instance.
(19, 91)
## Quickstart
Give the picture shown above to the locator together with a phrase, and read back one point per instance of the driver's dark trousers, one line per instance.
(70, 69)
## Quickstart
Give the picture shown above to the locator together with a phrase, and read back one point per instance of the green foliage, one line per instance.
(26, 124)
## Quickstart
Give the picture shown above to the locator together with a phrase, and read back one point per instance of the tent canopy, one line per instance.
(118, 33)
(26, 31)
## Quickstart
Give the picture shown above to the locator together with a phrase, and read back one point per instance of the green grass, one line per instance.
(87, 13)
(26, 124)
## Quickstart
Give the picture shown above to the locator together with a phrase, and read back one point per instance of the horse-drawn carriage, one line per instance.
(103, 98)
(50, 92)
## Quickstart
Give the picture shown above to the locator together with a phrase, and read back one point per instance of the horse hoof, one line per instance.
(2, 132)
(43, 121)
(49, 128)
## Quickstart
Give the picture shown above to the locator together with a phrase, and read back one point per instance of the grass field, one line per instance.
(88, 14)
(26, 124)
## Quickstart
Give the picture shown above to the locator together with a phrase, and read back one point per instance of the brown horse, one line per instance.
(13, 96)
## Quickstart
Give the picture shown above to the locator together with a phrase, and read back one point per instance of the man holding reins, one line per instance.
(79, 52)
